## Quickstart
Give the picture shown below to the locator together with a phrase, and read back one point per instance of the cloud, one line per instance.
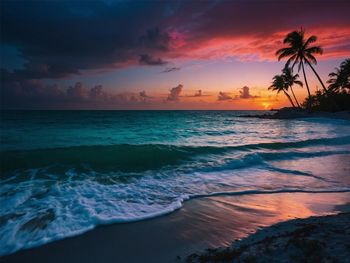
(224, 96)
(79, 92)
(155, 39)
(143, 95)
(198, 93)
(167, 70)
(50, 47)
(146, 59)
(245, 94)
(256, 28)
(175, 92)
(34, 94)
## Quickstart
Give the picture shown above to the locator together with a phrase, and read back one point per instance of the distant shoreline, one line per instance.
(290, 113)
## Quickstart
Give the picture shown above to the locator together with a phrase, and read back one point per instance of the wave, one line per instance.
(64, 229)
(137, 158)
(262, 158)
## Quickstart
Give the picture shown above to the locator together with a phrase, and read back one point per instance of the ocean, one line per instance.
(65, 172)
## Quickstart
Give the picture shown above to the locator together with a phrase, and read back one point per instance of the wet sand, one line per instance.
(201, 223)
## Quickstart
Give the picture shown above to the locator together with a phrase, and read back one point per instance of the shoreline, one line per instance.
(201, 223)
(290, 113)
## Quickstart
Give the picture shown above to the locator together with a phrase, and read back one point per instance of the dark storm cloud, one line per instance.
(60, 38)
(156, 39)
(146, 59)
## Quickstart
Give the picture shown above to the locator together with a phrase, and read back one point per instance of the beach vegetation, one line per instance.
(301, 51)
(339, 80)
(339, 91)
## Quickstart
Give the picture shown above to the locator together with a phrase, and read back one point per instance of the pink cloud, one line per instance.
(263, 48)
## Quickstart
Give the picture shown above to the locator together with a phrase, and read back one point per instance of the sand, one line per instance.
(201, 223)
(314, 239)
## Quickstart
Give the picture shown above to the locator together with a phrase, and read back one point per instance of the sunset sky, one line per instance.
(159, 55)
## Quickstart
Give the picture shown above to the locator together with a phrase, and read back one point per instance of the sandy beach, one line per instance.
(312, 239)
(200, 224)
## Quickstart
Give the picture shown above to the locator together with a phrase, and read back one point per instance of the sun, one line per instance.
(266, 105)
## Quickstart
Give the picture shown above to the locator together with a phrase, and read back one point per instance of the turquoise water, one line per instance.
(65, 172)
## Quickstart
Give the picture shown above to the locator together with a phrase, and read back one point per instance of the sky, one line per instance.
(159, 54)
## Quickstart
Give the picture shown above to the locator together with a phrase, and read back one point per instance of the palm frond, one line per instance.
(340, 78)
(334, 74)
(289, 78)
(310, 40)
(290, 37)
(284, 52)
(345, 65)
(296, 61)
(314, 50)
(292, 58)
(311, 58)
(278, 83)
(298, 82)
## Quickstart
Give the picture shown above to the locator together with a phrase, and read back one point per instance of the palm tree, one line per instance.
(300, 52)
(335, 79)
(279, 84)
(340, 79)
(290, 80)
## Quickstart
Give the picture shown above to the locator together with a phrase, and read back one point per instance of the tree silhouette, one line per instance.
(291, 80)
(279, 84)
(340, 79)
(300, 51)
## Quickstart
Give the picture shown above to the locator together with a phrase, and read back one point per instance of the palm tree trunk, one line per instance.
(318, 77)
(294, 96)
(323, 86)
(307, 85)
(289, 98)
